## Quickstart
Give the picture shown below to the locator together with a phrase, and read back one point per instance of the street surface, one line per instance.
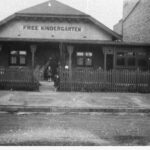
(90, 129)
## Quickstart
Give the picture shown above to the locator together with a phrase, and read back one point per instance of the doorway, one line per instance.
(51, 63)
(109, 62)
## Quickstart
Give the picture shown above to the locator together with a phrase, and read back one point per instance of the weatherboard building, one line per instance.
(79, 46)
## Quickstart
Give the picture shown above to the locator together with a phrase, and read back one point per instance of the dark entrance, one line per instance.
(52, 62)
(47, 54)
(109, 62)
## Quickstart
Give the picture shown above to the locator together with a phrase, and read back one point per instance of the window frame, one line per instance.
(18, 58)
(136, 56)
(129, 57)
(120, 57)
(84, 57)
(140, 57)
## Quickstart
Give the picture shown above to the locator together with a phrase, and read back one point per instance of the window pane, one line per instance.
(22, 53)
(131, 54)
(22, 60)
(131, 61)
(120, 61)
(80, 54)
(141, 53)
(13, 60)
(120, 54)
(80, 61)
(88, 62)
(13, 52)
(88, 54)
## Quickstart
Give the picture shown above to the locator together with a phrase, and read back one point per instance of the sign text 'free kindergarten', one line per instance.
(52, 28)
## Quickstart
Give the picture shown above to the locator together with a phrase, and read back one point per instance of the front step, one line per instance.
(47, 86)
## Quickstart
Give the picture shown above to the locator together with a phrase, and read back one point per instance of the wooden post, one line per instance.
(61, 54)
(0, 48)
(114, 61)
(70, 51)
(105, 60)
(33, 50)
(105, 55)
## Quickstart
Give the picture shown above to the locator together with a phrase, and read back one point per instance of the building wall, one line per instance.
(39, 30)
(118, 27)
(137, 25)
(136, 21)
(128, 6)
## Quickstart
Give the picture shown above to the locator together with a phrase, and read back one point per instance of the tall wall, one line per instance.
(128, 6)
(136, 21)
(136, 27)
(118, 27)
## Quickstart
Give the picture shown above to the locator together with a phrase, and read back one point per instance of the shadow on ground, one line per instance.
(131, 140)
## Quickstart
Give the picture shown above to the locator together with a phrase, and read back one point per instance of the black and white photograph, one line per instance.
(75, 73)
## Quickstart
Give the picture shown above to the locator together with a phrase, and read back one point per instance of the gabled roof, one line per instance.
(52, 7)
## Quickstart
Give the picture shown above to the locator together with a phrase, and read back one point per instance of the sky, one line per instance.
(108, 12)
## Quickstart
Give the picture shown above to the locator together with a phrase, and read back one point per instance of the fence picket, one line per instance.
(99, 80)
(18, 79)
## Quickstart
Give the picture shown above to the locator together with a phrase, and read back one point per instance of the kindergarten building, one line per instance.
(87, 54)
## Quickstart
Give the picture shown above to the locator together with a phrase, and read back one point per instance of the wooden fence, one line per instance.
(18, 79)
(99, 80)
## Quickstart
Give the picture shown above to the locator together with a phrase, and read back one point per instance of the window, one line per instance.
(126, 59)
(131, 59)
(131, 62)
(13, 59)
(142, 61)
(18, 58)
(84, 58)
(120, 59)
(141, 54)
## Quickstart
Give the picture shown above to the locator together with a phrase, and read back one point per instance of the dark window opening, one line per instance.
(131, 62)
(142, 63)
(120, 61)
(131, 59)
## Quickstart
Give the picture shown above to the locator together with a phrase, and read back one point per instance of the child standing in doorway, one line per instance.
(49, 73)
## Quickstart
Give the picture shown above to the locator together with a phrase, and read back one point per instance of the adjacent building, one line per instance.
(135, 25)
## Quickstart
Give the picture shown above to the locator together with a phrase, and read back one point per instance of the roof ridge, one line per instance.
(57, 7)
